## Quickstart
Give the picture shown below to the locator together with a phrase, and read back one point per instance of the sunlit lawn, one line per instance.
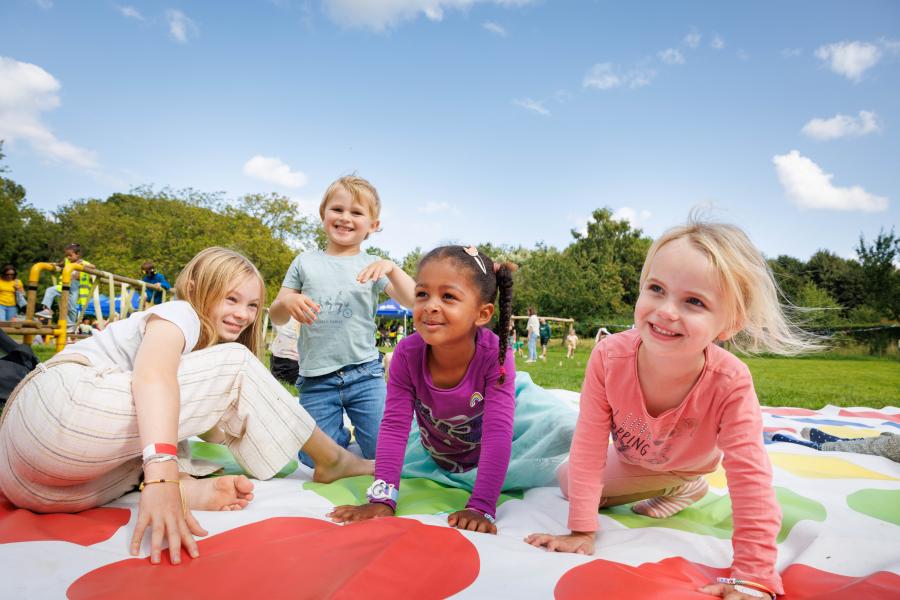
(813, 382)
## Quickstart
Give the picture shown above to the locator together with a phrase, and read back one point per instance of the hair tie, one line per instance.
(502, 371)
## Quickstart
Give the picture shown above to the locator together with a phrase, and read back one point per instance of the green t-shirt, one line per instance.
(344, 332)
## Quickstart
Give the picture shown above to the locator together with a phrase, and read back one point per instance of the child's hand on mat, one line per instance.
(471, 520)
(375, 271)
(161, 510)
(727, 592)
(578, 542)
(350, 513)
(302, 308)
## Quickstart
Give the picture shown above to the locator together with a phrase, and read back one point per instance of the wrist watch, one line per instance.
(381, 490)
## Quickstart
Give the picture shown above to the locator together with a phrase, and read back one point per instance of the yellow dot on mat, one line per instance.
(823, 467)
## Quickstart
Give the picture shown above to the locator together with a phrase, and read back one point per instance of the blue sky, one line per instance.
(497, 120)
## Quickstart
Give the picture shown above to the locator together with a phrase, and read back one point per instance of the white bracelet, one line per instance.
(159, 458)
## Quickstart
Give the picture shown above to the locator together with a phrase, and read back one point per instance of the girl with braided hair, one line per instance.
(475, 430)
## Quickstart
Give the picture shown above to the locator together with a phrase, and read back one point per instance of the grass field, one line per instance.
(839, 378)
(835, 378)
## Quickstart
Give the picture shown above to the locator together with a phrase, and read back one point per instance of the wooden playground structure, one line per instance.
(128, 286)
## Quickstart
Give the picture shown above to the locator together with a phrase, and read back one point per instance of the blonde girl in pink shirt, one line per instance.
(676, 403)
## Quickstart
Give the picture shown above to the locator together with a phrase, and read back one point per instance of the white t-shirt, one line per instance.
(284, 345)
(117, 345)
(533, 325)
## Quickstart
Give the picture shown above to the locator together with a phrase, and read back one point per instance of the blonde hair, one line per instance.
(758, 321)
(359, 189)
(205, 281)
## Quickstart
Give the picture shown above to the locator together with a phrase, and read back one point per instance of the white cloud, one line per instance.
(181, 27)
(26, 91)
(605, 76)
(850, 59)
(494, 28)
(579, 221)
(129, 12)
(671, 56)
(840, 126)
(270, 169)
(533, 105)
(44, 4)
(432, 207)
(892, 46)
(742, 54)
(807, 186)
(383, 14)
(692, 40)
(717, 43)
(791, 52)
(634, 217)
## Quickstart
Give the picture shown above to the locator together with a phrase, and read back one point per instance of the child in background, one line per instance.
(544, 332)
(571, 343)
(335, 294)
(123, 398)
(458, 379)
(284, 363)
(79, 288)
(675, 402)
(151, 276)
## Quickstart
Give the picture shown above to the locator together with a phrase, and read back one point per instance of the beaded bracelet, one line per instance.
(184, 508)
(749, 584)
(487, 516)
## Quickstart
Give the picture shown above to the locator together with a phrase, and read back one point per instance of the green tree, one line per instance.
(26, 235)
(121, 232)
(881, 278)
(818, 309)
(842, 278)
(280, 214)
(790, 274)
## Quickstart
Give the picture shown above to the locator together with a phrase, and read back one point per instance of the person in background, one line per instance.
(151, 276)
(9, 287)
(544, 332)
(79, 288)
(285, 359)
(533, 327)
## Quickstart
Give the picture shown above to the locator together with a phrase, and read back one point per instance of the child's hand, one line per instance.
(578, 542)
(471, 520)
(375, 271)
(729, 593)
(302, 308)
(350, 513)
(160, 510)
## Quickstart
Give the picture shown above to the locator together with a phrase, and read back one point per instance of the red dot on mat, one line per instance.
(85, 528)
(296, 557)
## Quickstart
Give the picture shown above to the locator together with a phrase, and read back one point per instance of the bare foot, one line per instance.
(345, 464)
(229, 492)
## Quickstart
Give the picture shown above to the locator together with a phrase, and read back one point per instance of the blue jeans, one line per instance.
(8, 313)
(358, 389)
(52, 293)
(532, 346)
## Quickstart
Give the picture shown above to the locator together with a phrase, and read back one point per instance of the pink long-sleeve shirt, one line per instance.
(719, 416)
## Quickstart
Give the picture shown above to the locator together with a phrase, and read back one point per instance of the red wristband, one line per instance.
(152, 450)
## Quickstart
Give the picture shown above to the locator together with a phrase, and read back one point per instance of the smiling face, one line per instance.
(448, 306)
(681, 309)
(238, 309)
(347, 222)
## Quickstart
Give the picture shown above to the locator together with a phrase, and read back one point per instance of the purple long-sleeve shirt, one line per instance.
(469, 425)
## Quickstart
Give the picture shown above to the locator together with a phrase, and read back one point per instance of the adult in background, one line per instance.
(533, 328)
(9, 288)
(151, 276)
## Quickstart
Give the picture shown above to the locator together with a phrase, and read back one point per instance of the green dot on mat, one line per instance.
(417, 496)
(712, 515)
(221, 455)
(880, 504)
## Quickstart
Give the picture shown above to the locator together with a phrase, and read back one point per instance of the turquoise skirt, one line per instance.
(542, 434)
